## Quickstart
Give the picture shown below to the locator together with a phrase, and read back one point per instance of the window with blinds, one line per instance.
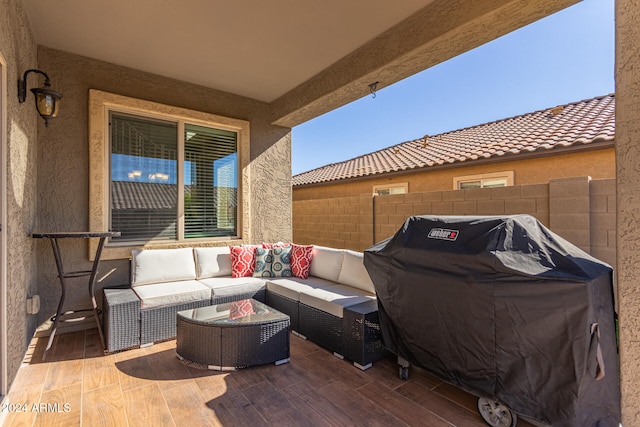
(211, 182)
(152, 187)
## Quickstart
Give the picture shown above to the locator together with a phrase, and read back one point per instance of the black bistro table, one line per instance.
(63, 275)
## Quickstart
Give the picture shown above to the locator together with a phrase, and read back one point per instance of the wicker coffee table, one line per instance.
(233, 335)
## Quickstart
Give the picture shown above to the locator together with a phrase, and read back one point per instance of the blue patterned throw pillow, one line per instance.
(281, 262)
(264, 261)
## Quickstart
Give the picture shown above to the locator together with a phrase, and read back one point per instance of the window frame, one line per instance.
(508, 175)
(100, 105)
(403, 185)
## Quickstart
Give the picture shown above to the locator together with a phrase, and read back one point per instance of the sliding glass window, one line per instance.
(171, 180)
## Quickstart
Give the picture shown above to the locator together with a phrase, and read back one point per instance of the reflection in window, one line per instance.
(146, 189)
(143, 178)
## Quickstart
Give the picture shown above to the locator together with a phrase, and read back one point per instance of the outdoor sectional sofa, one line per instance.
(335, 306)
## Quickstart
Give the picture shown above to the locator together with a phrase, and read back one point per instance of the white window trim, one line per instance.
(508, 175)
(100, 104)
(404, 185)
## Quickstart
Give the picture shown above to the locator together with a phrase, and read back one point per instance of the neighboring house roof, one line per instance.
(576, 124)
(143, 195)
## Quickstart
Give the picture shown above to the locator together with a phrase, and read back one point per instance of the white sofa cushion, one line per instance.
(353, 272)
(291, 287)
(334, 299)
(171, 293)
(162, 265)
(227, 286)
(326, 263)
(213, 262)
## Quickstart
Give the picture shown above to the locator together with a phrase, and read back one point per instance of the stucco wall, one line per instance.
(63, 161)
(598, 164)
(628, 214)
(19, 51)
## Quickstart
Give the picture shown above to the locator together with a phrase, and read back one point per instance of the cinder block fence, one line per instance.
(580, 209)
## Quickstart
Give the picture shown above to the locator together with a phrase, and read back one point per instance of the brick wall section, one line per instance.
(569, 204)
(341, 222)
(603, 220)
(393, 210)
(581, 210)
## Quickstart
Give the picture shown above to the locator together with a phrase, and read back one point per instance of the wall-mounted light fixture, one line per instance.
(47, 100)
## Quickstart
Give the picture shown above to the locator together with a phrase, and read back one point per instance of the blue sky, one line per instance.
(563, 58)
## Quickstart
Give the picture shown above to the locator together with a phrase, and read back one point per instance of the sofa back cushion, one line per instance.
(213, 262)
(326, 263)
(162, 265)
(353, 272)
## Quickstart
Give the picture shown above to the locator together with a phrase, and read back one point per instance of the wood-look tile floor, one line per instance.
(80, 386)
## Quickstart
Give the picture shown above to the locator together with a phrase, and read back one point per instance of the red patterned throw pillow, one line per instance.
(301, 260)
(243, 260)
(238, 309)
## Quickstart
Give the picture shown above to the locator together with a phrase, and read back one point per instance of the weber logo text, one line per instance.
(443, 234)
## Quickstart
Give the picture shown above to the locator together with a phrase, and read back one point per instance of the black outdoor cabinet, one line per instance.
(504, 308)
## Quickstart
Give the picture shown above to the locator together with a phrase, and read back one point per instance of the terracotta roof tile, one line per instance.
(579, 123)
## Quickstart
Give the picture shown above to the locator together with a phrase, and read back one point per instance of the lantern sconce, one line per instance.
(47, 100)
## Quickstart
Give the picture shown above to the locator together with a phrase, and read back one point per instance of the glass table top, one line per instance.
(244, 312)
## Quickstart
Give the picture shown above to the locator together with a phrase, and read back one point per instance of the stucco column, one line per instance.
(627, 71)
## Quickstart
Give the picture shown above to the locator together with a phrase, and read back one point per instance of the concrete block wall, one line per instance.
(391, 211)
(570, 216)
(602, 204)
(580, 209)
(340, 222)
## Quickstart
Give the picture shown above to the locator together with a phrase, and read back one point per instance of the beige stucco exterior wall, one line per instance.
(628, 214)
(598, 164)
(18, 48)
(63, 162)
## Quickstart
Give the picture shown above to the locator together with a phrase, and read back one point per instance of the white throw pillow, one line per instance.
(162, 265)
(354, 273)
(326, 262)
(213, 262)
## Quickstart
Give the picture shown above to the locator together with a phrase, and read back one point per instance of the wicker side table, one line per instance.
(362, 337)
(121, 319)
(212, 338)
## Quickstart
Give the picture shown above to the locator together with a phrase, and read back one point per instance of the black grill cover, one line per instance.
(504, 308)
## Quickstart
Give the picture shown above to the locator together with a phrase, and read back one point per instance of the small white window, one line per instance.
(399, 188)
(488, 180)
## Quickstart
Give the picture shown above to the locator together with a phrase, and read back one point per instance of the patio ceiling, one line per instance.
(218, 44)
(303, 57)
